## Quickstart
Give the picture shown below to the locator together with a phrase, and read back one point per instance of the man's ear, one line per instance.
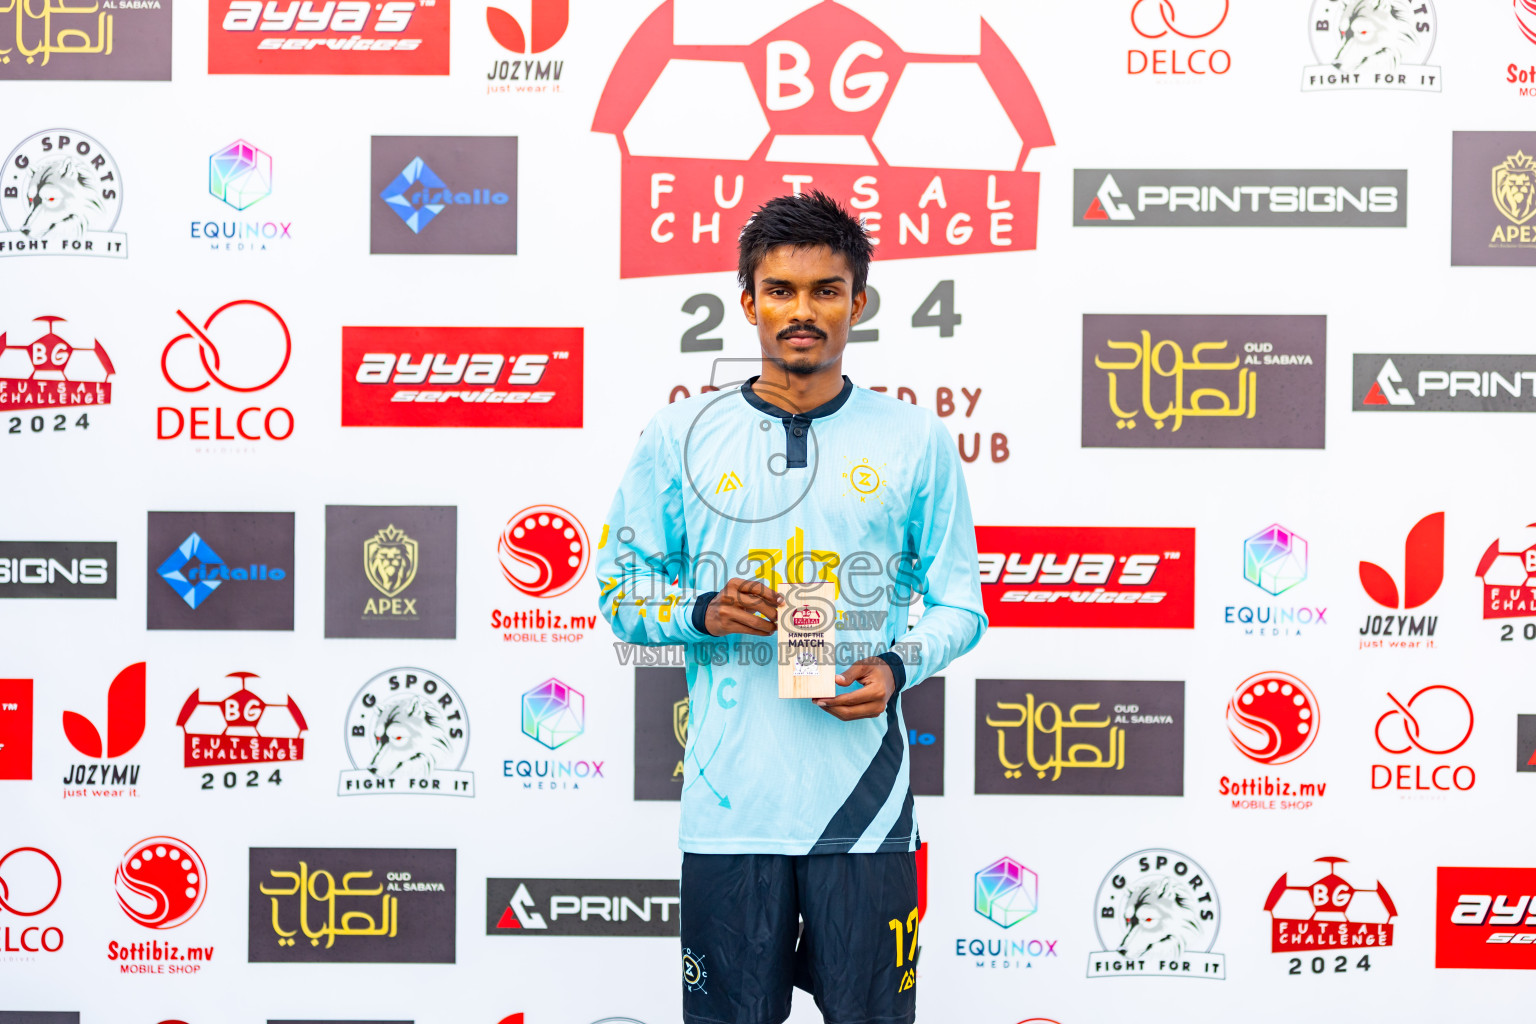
(749, 307)
(858, 305)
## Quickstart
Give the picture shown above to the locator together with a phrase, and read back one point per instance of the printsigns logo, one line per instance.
(15, 729)
(51, 372)
(407, 732)
(355, 906)
(58, 569)
(1372, 44)
(1157, 914)
(453, 376)
(820, 101)
(391, 571)
(1114, 737)
(161, 882)
(353, 37)
(240, 728)
(1485, 918)
(469, 181)
(1508, 572)
(1203, 381)
(1127, 577)
(221, 570)
(581, 906)
(60, 195)
(1452, 382)
(1328, 912)
(1219, 198)
(1493, 198)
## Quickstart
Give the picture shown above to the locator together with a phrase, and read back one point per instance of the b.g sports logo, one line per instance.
(826, 101)
(461, 376)
(1129, 577)
(353, 37)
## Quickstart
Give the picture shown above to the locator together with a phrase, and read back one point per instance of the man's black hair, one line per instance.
(804, 220)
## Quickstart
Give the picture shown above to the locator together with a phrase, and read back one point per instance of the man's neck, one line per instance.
(799, 392)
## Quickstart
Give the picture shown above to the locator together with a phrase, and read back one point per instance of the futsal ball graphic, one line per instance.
(544, 551)
(161, 882)
(1329, 897)
(52, 357)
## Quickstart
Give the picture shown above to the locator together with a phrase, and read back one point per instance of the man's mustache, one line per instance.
(811, 329)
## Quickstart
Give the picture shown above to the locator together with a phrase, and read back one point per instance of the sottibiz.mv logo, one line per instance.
(353, 37)
(1106, 577)
(461, 376)
(1485, 918)
(826, 101)
(1423, 570)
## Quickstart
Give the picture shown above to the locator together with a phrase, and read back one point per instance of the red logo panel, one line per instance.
(461, 376)
(351, 37)
(1485, 918)
(15, 728)
(1107, 577)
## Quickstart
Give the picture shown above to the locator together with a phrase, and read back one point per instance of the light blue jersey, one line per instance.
(865, 491)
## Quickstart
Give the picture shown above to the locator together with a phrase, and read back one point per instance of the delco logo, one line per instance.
(1107, 577)
(352, 37)
(461, 377)
(1485, 918)
(826, 101)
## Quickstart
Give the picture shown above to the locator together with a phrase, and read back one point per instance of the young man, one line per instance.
(796, 810)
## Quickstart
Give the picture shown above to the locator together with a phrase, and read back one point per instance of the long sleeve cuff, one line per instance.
(701, 611)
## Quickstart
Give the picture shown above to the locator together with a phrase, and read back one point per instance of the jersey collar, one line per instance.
(825, 409)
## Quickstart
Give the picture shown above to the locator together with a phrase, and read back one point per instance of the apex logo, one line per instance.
(547, 22)
(1423, 567)
(125, 718)
(1105, 206)
(520, 912)
(1383, 390)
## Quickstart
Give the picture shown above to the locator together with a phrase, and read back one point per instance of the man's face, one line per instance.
(803, 306)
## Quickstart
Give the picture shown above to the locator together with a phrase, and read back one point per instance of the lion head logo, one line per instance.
(63, 198)
(1514, 187)
(389, 561)
(1379, 32)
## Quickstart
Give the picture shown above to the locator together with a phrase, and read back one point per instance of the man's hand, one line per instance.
(744, 606)
(869, 700)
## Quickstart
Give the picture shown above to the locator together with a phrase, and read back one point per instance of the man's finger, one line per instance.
(745, 622)
(757, 588)
(869, 692)
(757, 603)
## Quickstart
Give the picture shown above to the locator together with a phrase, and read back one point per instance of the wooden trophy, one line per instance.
(807, 667)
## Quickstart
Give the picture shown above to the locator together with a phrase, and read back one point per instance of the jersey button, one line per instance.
(799, 432)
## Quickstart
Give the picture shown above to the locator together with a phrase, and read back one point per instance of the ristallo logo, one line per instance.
(1485, 918)
(30, 884)
(220, 570)
(1328, 912)
(246, 352)
(353, 37)
(546, 23)
(461, 376)
(444, 194)
(1435, 721)
(1128, 577)
(1423, 571)
(1160, 22)
(825, 101)
(53, 372)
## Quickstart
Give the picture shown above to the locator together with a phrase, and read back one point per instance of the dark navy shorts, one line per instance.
(842, 926)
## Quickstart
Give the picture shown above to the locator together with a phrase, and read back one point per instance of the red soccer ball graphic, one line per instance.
(1330, 898)
(1272, 718)
(544, 551)
(161, 882)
